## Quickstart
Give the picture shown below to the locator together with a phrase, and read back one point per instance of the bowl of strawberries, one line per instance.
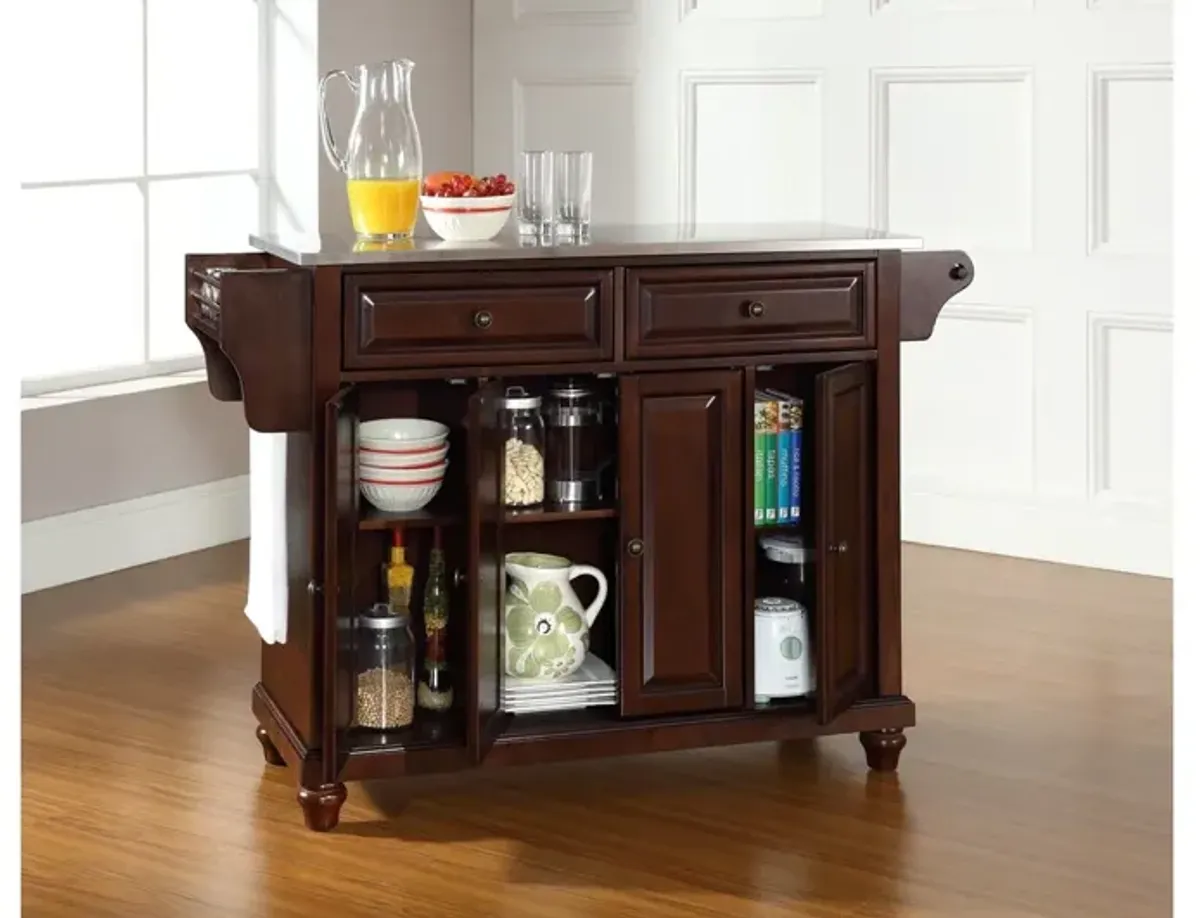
(461, 207)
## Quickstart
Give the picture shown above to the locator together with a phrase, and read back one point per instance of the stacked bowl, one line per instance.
(401, 462)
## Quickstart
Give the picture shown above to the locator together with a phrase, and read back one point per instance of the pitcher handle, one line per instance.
(327, 140)
(586, 570)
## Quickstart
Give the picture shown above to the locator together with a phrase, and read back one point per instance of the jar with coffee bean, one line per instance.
(524, 449)
(385, 674)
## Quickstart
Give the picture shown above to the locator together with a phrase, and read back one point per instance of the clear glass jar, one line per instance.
(574, 445)
(524, 449)
(385, 671)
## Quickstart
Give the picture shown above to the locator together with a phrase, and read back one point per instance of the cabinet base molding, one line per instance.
(883, 747)
(322, 805)
(540, 740)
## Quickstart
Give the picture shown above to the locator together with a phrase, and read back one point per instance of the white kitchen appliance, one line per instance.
(784, 666)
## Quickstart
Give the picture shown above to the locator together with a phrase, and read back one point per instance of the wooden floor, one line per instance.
(1037, 781)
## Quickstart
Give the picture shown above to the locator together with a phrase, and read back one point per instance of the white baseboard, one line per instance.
(1109, 535)
(100, 540)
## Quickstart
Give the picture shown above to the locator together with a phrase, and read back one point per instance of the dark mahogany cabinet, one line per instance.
(676, 333)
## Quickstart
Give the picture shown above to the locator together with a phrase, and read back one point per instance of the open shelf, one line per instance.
(552, 514)
(441, 512)
(429, 730)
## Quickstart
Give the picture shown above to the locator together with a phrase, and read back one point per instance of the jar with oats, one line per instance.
(524, 449)
(385, 674)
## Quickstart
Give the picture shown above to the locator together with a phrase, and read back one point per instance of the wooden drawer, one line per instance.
(477, 319)
(769, 309)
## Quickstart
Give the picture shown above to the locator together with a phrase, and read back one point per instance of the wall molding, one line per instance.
(1099, 325)
(1024, 317)
(689, 82)
(1098, 79)
(691, 9)
(879, 119)
(99, 540)
(1106, 5)
(1116, 537)
(905, 7)
(626, 15)
(520, 84)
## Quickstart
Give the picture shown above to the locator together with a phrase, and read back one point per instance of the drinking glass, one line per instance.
(535, 193)
(573, 192)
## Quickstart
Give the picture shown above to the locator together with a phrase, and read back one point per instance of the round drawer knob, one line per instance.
(755, 310)
(958, 272)
(483, 319)
(635, 547)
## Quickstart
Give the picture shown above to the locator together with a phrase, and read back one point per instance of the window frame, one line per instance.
(261, 173)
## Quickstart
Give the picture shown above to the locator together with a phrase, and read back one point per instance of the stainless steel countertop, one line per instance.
(604, 241)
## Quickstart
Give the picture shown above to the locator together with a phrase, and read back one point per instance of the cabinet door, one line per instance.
(341, 525)
(681, 458)
(845, 588)
(485, 720)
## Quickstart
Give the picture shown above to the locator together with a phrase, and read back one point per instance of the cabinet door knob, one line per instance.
(459, 576)
(483, 319)
(755, 310)
(958, 272)
(635, 547)
(839, 548)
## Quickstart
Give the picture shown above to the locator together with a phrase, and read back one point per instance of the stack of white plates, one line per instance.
(593, 684)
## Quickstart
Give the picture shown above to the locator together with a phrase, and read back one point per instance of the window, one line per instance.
(141, 141)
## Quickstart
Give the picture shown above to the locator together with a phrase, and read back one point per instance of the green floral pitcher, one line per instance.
(545, 624)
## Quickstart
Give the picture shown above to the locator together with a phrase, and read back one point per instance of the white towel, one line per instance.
(267, 592)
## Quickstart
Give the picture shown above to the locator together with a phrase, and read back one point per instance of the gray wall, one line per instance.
(86, 454)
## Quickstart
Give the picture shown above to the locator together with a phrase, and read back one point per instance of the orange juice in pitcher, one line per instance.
(383, 208)
(382, 158)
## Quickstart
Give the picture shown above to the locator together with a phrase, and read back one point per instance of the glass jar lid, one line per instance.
(785, 549)
(516, 398)
(381, 618)
(776, 605)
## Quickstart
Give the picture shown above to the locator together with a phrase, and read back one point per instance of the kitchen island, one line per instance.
(681, 327)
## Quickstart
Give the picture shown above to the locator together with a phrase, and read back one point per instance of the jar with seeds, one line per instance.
(524, 449)
(385, 674)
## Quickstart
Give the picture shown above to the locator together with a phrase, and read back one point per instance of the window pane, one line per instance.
(78, 90)
(191, 215)
(85, 247)
(203, 66)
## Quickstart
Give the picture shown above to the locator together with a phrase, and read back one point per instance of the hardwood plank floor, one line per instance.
(1036, 783)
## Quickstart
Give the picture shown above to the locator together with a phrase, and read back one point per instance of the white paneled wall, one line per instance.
(1036, 134)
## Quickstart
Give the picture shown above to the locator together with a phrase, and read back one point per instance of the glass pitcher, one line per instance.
(382, 162)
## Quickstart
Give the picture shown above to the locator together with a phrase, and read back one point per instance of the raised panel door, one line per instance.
(681, 466)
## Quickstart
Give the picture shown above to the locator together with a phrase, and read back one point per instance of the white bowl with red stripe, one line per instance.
(467, 219)
(400, 497)
(402, 436)
(383, 459)
(424, 474)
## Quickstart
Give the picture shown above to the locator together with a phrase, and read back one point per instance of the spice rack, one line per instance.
(679, 331)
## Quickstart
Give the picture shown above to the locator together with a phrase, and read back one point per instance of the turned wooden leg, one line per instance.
(321, 805)
(883, 747)
(270, 753)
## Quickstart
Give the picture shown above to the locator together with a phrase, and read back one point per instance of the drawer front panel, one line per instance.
(695, 312)
(461, 320)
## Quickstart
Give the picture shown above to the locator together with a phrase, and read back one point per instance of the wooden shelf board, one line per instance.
(438, 513)
(427, 731)
(551, 514)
